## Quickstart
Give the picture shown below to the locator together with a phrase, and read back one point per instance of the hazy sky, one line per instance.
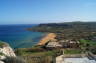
(43, 11)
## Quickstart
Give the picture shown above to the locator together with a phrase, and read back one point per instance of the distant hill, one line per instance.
(68, 29)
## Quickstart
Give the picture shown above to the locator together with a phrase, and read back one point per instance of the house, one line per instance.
(93, 39)
(69, 43)
(64, 43)
(73, 44)
(53, 45)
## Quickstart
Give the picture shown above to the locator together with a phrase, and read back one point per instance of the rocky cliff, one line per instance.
(5, 51)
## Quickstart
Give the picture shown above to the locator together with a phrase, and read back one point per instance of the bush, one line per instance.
(73, 51)
(14, 60)
(23, 51)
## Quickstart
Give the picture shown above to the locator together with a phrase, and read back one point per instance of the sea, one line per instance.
(17, 36)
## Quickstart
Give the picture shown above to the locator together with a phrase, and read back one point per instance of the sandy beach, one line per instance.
(49, 36)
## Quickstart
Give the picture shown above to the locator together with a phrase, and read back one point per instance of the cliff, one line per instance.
(5, 51)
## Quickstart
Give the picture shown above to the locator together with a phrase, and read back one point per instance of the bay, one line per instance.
(18, 37)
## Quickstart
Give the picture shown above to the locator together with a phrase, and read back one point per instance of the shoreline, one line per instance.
(46, 38)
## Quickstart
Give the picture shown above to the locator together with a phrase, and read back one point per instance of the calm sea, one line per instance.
(18, 37)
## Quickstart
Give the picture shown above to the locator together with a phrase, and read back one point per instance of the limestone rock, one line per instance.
(1, 62)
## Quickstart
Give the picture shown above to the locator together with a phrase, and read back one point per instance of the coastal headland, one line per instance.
(48, 37)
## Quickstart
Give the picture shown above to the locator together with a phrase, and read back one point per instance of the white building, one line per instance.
(61, 59)
(78, 60)
(53, 44)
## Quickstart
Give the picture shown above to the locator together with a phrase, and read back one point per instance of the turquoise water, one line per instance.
(18, 37)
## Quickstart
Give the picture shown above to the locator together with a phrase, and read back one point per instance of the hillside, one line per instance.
(72, 30)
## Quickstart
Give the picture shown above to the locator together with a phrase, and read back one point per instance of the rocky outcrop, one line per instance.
(5, 51)
(1, 62)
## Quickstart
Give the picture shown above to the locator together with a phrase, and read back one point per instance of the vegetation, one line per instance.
(24, 51)
(72, 51)
(36, 55)
(1, 54)
(88, 45)
(13, 60)
(35, 52)
(84, 32)
(68, 30)
(88, 42)
(3, 44)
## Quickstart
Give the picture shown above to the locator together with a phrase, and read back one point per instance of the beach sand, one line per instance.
(44, 40)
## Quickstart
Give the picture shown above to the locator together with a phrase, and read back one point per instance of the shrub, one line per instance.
(14, 60)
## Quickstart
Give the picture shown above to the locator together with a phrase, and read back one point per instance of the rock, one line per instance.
(6, 50)
(2, 57)
(2, 62)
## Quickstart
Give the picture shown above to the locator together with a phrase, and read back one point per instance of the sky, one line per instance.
(46, 11)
